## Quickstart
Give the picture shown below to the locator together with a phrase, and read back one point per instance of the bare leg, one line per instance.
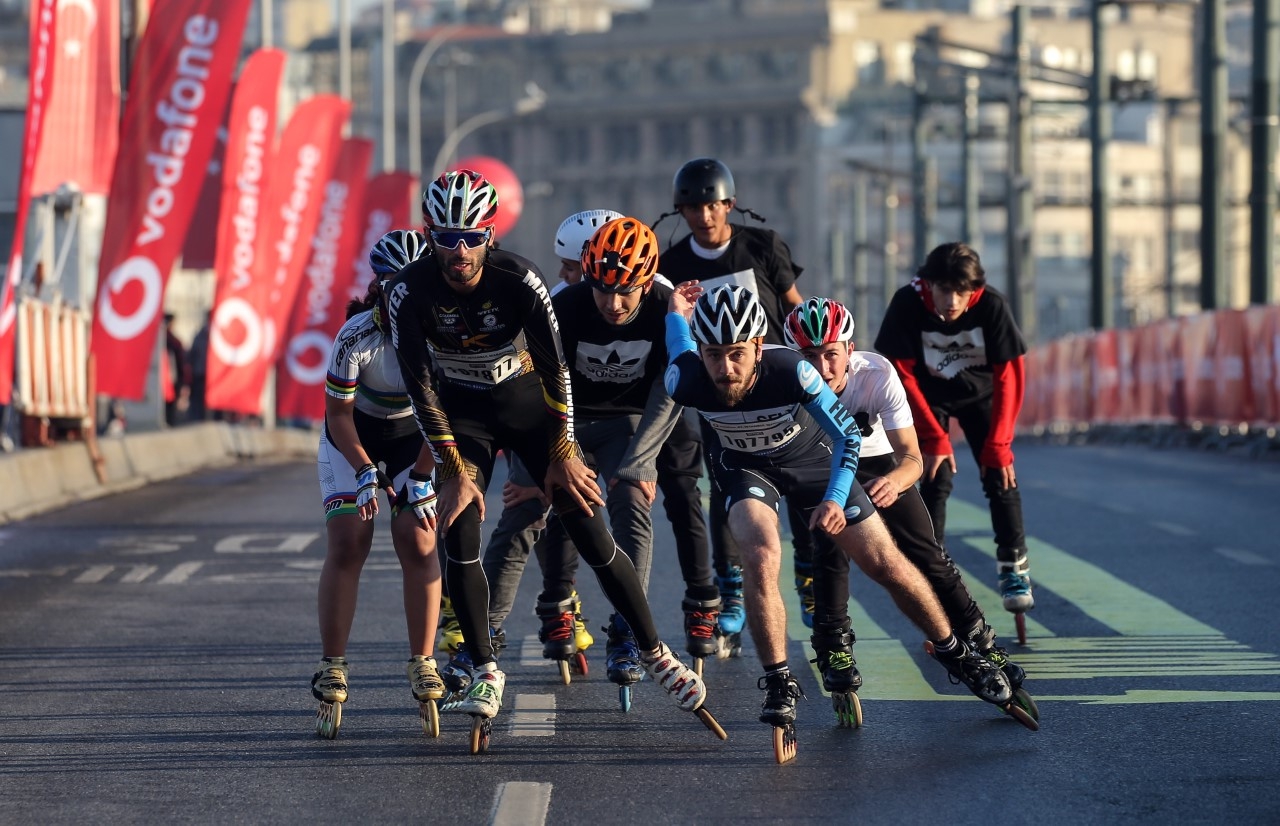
(349, 540)
(871, 548)
(420, 565)
(754, 527)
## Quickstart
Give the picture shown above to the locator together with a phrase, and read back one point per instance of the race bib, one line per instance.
(489, 367)
(759, 431)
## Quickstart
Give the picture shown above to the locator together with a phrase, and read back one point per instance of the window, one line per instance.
(572, 145)
(622, 143)
(673, 139)
(778, 134)
(726, 135)
(904, 68)
(866, 57)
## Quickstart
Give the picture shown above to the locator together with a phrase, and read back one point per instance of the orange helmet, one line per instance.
(621, 257)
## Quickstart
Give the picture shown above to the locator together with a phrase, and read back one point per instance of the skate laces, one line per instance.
(558, 628)
(701, 624)
(839, 661)
(1014, 584)
(780, 688)
(424, 674)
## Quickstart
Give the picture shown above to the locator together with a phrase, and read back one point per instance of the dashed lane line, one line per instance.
(534, 715)
(521, 804)
(1243, 557)
(94, 574)
(180, 573)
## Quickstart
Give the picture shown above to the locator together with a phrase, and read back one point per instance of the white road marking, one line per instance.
(180, 573)
(1115, 507)
(1173, 528)
(95, 573)
(521, 804)
(139, 573)
(144, 545)
(1243, 557)
(265, 543)
(534, 715)
(531, 651)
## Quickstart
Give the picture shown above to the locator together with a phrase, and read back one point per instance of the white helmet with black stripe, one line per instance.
(395, 251)
(728, 315)
(576, 230)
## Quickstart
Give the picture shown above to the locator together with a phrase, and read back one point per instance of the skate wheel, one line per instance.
(784, 743)
(1020, 714)
(1020, 623)
(565, 677)
(1023, 699)
(848, 709)
(481, 727)
(328, 720)
(697, 666)
(580, 664)
(735, 645)
(712, 723)
(624, 698)
(430, 714)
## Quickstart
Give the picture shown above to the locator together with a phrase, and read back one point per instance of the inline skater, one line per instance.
(482, 318)
(717, 252)
(889, 466)
(781, 432)
(368, 421)
(959, 354)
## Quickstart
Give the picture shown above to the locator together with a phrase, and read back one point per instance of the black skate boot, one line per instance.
(840, 677)
(983, 639)
(557, 634)
(980, 675)
(701, 618)
(779, 710)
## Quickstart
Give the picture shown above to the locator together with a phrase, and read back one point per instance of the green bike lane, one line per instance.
(1151, 643)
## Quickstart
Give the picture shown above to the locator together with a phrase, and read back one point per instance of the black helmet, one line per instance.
(703, 181)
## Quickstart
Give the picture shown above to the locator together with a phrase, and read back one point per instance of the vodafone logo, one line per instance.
(307, 358)
(232, 313)
(136, 270)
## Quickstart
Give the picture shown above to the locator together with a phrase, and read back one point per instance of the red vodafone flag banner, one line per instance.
(388, 205)
(81, 129)
(320, 307)
(295, 193)
(238, 345)
(43, 33)
(177, 97)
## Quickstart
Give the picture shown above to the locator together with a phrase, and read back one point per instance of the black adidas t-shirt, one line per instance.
(952, 359)
(756, 258)
(611, 367)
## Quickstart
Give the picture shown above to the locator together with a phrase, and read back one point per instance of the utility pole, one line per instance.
(1265, 115)
(890, 241)
(268, 35)
(919, 135)
(388, 85)
(344, 49)
(1021, 204)
(861, 277)
(970, 232)
(1101, 313)
(928, 208)
(1215, 279)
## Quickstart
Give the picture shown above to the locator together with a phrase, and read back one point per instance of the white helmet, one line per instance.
(396, 250)
(463, 199)
(577, 229)
(728, 315)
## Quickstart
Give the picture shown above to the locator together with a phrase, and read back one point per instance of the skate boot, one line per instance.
(622, 659)
(983, 640)
(427, 688)
(329, 686)
(779, 710)
(678, 679)
(557, 635)
(498, 639)
(980, 675)
(840, 677)
(424, 679)
(733, 614)
(804, 590)
(582, 638)
(450, 630)
(457, 675)
(1015, 591)
(701, 618)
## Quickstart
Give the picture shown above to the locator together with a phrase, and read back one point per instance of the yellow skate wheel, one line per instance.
(711, 722)
(481, 727)
(328, 719)
(784, 743)
(430, 714)
(697, 666)
(565, 676)
(1020, 625)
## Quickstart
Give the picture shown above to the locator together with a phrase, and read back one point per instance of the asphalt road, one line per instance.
(156, 649)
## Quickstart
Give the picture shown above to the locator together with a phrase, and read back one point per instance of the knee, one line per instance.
(462, 539)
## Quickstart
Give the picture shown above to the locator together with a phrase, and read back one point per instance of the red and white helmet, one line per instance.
(463, 199)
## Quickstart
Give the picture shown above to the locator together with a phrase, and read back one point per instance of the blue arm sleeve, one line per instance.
(838, 423)
(679, 337)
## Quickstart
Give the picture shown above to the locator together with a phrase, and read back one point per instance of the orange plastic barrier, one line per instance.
(53, 349)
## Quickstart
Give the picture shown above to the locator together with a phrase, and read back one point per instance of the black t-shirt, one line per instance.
(952, 359)
(612, 367)
(756, 258)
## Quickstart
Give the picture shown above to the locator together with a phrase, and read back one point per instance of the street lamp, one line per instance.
(416, 75)
(533, 100)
